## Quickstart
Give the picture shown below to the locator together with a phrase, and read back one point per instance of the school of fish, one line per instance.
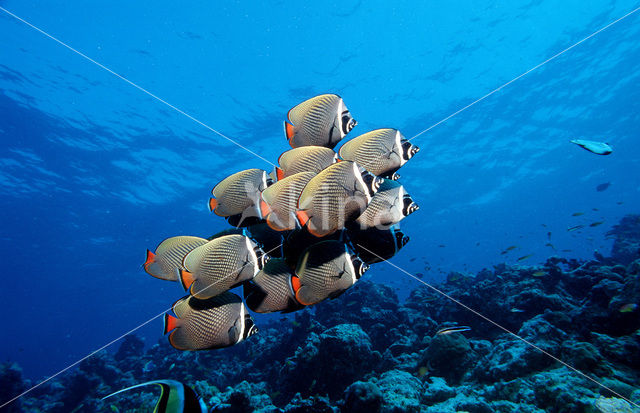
(303, 233)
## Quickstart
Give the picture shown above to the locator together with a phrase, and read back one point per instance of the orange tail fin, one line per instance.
(303, 217)
(186, 279)
(170, 323)
(151, 257)
(288, 130)
(264, 209)
(213, 203)
(279, 173)
(295, 283)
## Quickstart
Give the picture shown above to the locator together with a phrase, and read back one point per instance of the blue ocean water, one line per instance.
(94, 171)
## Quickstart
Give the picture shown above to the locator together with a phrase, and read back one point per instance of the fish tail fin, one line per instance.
(213, 203)
(170, 323)
(303, 217)
(265, 209)
(150, 258)
(288, 130)
(186, 279)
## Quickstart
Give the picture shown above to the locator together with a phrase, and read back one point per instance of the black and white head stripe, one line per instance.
(250, 327)
(408, 206)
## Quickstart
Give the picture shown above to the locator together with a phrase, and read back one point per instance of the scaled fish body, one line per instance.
(336, 195)
(281, 201)
(381, 151)
(320, 121)
(220, 265)
(599, 148)
(168, 257)
(305, 159)
(387, 207)
(217, 322)
(326, 270)
(375, 245)
(239, 194)
(271, 289)
(175, 397)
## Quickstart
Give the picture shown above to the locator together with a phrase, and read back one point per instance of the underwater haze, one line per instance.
(94, 171)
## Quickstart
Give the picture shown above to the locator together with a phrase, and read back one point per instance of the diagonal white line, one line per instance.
(499, 326)
(136, 86)
(114, 341)
(525, 73)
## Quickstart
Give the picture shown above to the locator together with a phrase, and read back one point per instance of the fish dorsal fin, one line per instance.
(297, 114)
(175, 241)
(248, 174)
(365, 142)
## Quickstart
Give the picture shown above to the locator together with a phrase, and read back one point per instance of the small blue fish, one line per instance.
(599, 148)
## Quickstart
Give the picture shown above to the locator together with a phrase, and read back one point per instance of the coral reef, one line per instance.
(368, 352)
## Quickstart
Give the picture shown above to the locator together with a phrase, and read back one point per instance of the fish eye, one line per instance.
(270, 182)
(377, 183)
(348, 123)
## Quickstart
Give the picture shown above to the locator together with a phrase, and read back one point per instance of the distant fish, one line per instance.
(566, 250)
(549, 235)
(595, 224)
(451, 330)
(513, 247)
(525, 257)
(620, 202)
(419, 275)
(441, 246)
(628, 308)
(603, 187)
(577, 214)
(575, 227)
(599, 148)
(322, 121)
(548, 244)
(517, 310)
(175, 397)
